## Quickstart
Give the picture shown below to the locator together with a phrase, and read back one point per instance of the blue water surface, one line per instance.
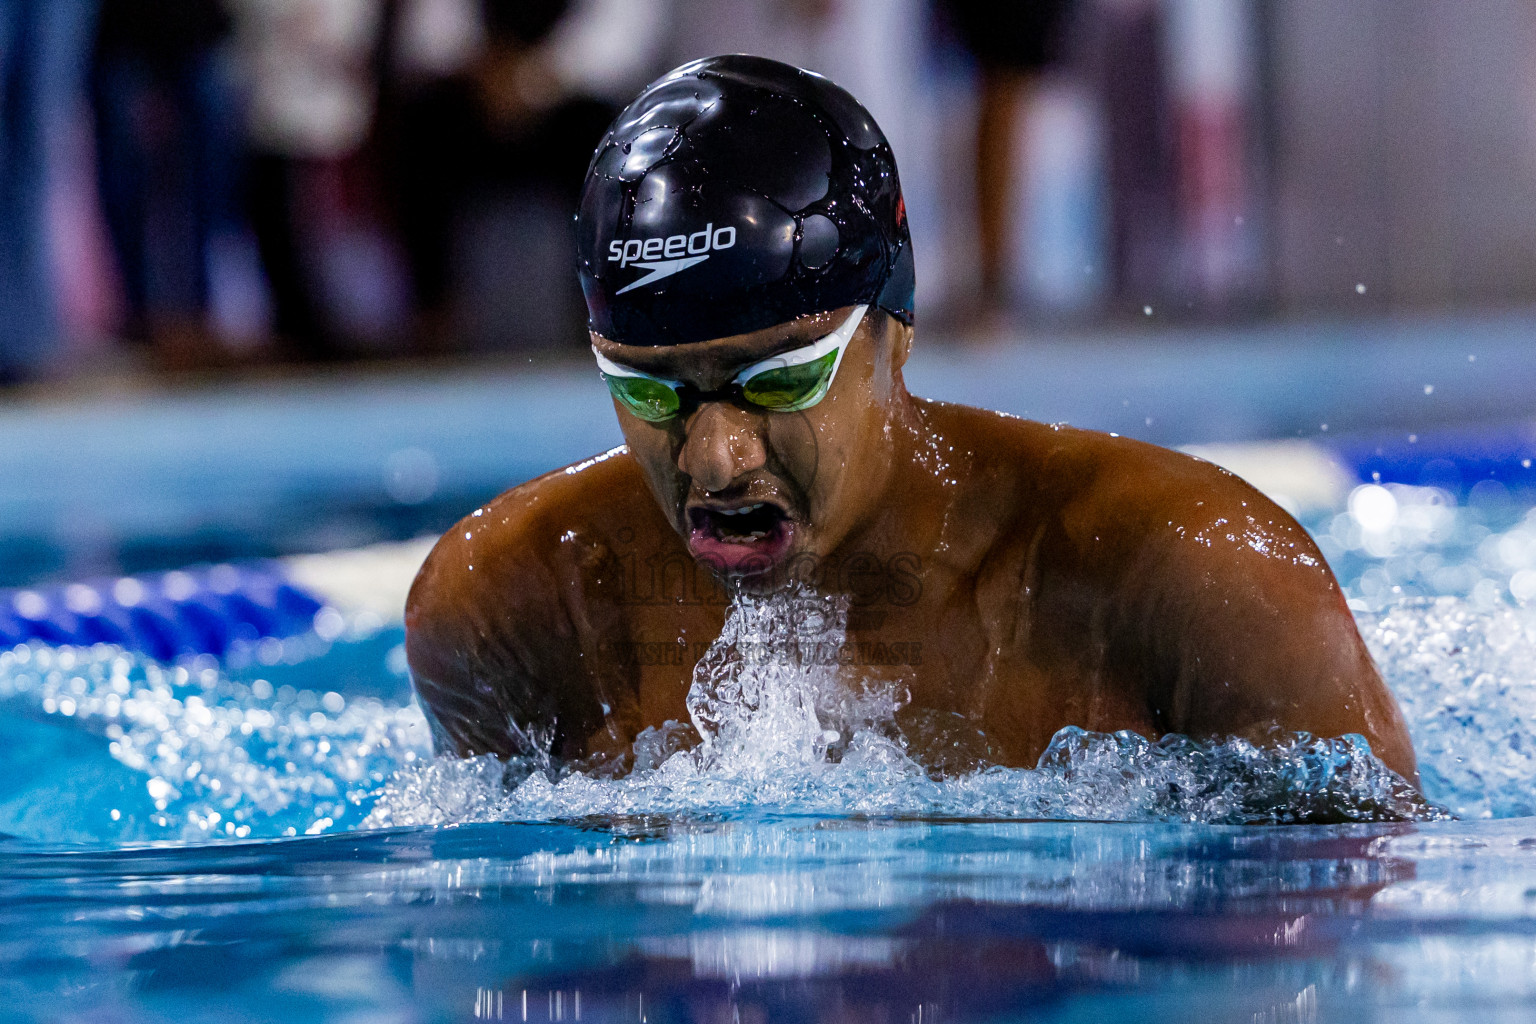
(784, 919)
(272, 841)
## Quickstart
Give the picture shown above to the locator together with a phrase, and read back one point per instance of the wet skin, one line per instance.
(1014, 577)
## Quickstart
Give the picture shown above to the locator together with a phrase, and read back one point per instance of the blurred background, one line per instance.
(289, 275)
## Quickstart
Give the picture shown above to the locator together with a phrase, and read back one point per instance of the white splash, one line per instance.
(757, 692)
(219, 758)
(1465, 676)
(777, 726)
(777, 729)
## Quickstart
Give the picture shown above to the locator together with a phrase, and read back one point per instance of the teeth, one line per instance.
(744, 538)
(739, 511)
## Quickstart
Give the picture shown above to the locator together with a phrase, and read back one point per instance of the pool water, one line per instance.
(264, 835)
(766, 918)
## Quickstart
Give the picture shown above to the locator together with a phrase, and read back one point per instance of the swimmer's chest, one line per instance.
(662, 643)
(984, 665)
(940, 653)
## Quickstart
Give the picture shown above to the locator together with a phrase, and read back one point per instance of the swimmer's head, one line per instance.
(746, 262)
(734, 194)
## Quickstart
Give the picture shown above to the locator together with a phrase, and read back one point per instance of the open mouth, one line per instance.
(740, 539)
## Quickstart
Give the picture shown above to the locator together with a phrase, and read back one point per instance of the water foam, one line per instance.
(218, 757)
(1463, 674)
(781, 732)
(774, 728)
(760, 692)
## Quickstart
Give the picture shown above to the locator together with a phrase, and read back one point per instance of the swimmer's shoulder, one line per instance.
(1113, 494)
(599, 501)
(1167, 524)
(1056, 462)
(607, 484)
(507, 563)
(1104, 479)
(1073, 464)
(500, 619)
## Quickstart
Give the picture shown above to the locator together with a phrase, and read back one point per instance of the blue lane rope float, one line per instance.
(201, 610)
(1454, 457)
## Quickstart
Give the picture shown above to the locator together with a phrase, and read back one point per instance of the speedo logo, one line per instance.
(663, 257)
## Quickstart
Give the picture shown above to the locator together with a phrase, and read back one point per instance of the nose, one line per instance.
(723, 444)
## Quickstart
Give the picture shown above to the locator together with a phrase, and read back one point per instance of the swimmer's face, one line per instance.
(749, 488)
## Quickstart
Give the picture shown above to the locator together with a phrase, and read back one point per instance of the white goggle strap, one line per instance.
(613, 369)
(838, 340)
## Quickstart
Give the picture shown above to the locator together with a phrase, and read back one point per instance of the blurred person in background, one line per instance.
(1129, 63)
(1012, 44)
(44, 51)
(486, 155)
(168, 146)
(312, 71)
(1178, 82)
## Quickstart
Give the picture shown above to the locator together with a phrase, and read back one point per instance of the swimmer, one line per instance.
(744, 252)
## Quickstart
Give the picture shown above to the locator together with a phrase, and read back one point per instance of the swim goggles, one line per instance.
(787, 382)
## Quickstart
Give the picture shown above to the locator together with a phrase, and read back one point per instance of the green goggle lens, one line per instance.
(791, 388)
(784, 389)
(651, 400)
(776, 388)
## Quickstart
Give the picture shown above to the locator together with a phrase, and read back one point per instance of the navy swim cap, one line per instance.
(736, 193)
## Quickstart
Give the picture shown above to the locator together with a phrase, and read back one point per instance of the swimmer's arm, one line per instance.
(1248, 629)
(492, 656)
